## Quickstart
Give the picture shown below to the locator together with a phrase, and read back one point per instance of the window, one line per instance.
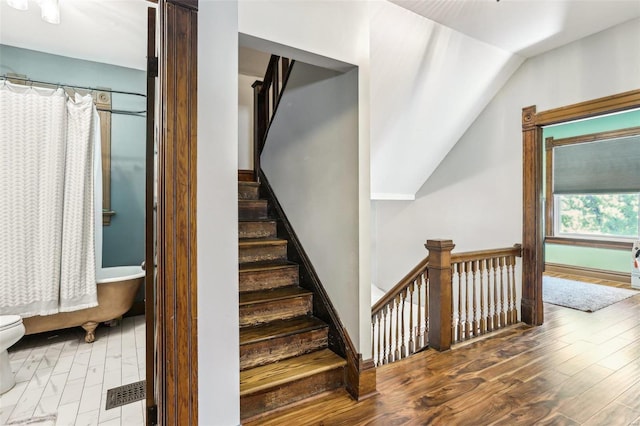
(598, 216)
(593, 188)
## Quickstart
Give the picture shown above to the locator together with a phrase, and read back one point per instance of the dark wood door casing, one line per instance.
(176, 321)
(532, 208)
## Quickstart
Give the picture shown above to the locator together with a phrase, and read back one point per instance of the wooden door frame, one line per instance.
(176, 288)
(532, 310)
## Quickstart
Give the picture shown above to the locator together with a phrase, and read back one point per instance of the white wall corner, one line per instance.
(383, 196)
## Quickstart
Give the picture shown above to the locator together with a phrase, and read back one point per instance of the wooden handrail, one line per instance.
(423, 308)
(401, 286)
(516, 250)
(266, 99)
(421, 267)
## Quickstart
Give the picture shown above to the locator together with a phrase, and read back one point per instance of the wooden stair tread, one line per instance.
(266, 266)
(258, 242)
(250, 297)
(260, 220)
(288, 370)
(280, 328)
(246, 203)
(248, 183)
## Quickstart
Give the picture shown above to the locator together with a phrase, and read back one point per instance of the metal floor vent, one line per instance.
(125, 394)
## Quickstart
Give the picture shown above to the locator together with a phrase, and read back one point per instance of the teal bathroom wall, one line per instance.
(598, 258)
(123, 240)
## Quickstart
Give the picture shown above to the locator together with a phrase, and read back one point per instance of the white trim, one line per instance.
(391, 196)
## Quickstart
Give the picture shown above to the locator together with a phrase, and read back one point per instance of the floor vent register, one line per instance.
(125, 394)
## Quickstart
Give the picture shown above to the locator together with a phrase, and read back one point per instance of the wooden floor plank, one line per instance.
(577, 368)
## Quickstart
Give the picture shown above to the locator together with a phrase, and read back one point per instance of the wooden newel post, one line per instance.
(440, 298)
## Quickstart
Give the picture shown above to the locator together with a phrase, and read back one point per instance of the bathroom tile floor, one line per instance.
(60, 376)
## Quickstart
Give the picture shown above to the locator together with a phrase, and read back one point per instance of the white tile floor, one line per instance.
(58, 374)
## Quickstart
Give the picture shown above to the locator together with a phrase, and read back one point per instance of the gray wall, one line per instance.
(123, 240)
(311, 160)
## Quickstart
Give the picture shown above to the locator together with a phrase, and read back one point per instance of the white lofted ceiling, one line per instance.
(526, 27)
(109, 31)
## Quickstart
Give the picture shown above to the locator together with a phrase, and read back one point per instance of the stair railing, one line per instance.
(399, 319)
(266, 97)
(447, 298)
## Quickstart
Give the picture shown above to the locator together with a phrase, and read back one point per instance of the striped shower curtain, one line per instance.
(47, 256)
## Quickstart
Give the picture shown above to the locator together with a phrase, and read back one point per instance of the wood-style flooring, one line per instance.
(578, 368)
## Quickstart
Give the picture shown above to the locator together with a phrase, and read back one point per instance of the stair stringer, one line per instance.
(360, 376)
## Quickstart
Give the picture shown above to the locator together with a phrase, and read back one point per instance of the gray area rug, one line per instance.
(582, 296)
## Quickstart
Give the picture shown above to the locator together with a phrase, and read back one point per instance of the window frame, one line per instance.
(552, 235)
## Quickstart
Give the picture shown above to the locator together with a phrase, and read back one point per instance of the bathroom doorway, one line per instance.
(95, 45)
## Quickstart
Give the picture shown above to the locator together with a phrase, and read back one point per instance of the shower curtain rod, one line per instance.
(71, 86)
(113, 111)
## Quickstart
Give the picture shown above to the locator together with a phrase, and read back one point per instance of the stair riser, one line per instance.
(257, 230)
(262, 253)
(259, 313)
(272, 350)
(247, 191)
(252, 210)
(282, 395)
(265, 280)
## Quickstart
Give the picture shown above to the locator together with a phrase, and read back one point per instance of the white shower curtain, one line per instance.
(46, 201)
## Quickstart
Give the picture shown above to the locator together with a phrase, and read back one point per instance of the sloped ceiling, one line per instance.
(436, 64)
(526, 27)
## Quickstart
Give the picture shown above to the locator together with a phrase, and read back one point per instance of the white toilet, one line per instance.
(11, 330)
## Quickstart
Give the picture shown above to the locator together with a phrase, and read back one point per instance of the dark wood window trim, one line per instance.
(580, 242)
(551, 143)
(532, 196)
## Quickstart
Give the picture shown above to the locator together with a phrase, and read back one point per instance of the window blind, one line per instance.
(606, 166)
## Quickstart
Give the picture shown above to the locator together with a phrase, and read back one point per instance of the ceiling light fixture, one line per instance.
(18, 4)
(50, 9)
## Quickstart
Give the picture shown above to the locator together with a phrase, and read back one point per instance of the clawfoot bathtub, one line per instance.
(117, 288)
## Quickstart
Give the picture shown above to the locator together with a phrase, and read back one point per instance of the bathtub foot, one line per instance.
(90, 328)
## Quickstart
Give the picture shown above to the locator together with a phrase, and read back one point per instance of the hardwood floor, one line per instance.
(577, 368)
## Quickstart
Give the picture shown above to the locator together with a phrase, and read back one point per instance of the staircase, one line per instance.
(284, 356)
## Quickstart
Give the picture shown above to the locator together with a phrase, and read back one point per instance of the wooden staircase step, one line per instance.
(282, 339)
(268, 275)
(248, 190)
(262, 249)
(282, 383)
(252, 209)
(278, 373)
(245, 175)
(258, 228)
(282, 293)
(269, 305)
